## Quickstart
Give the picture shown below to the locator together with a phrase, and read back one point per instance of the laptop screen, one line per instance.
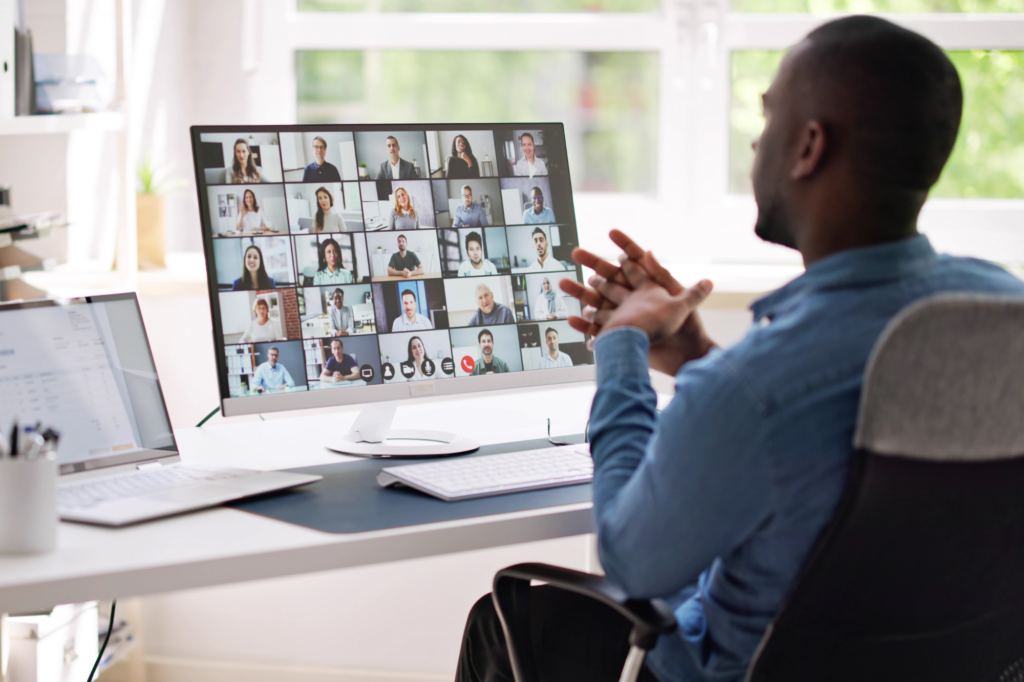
(84, 367)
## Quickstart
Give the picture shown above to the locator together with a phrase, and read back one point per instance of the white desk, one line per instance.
(221, 545)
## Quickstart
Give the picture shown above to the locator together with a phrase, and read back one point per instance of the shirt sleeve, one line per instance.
(675, 491)
(258, 379)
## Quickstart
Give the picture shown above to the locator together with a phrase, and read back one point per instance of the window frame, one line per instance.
(694, 40)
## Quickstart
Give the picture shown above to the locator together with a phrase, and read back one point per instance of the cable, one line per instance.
(207, 417)
(110, 630)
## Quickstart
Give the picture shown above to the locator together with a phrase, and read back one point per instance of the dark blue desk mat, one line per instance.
(348, 499)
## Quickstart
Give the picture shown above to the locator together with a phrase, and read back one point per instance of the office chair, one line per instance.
(920, 573)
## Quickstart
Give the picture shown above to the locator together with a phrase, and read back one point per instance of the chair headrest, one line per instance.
(946, 381)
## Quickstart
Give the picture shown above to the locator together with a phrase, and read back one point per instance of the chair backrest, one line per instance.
(920, 575)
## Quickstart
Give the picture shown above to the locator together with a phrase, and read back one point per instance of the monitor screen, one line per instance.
(349, 264)
(83, 367)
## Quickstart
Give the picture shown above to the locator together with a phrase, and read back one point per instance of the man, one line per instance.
(395, 168)
(320, 170)
(404, 263)
(410, 320)
(342, 319)
(545, 261)
(339, 367)
(488, 362)
(716, 503)
(529, 165)
(271, 376)
(554, 358)
(476, 264)
(469, 214)
(538, 214)
(488, 311)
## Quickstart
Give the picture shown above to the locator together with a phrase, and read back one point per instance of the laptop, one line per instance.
(83, 367)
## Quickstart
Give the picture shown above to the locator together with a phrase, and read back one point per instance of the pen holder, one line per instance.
(28, 504)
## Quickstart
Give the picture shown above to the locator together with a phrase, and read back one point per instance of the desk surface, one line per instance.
(222, 545)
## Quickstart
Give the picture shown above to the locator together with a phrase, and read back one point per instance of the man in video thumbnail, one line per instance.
(395, 168)
(545, 261)
(476, 264)
(271, 376)
(320, 170)
(530, 165)
(405, 263)
(411, 320)
(339, 367)
(554, 358)
(539, 213)
(469, 214)
(488, 362)
(489, 312)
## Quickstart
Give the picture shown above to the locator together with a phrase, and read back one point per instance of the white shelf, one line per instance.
(61, 123)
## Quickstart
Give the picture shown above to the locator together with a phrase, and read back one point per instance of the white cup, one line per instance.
(28, 504)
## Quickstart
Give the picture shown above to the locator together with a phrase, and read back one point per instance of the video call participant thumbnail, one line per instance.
(462, 163)
(489, 311)
(411, 320)
(326, 218)
(486, 350)
(262, 327)
(552, 358)
(243, 168)
(320, 170)
(538, 214)
(271, 375)
(339, 367)
(530, 164)
(395, 167)
(544, 259)
(404, 263)
(331, 269)
(416, 356)
(488, 363)
(469, 213)
(475, 264)
(342, 317)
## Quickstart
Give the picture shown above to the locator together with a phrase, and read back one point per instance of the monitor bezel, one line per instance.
(300, 400)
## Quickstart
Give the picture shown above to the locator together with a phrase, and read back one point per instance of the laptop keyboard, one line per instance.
(139, 483)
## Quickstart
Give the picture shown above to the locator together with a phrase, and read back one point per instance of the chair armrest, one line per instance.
(650, 618)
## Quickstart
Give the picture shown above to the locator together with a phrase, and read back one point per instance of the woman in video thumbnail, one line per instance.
(254, 273)
(417, 354)
(251, 218)
(326, 219)
(263, 328)
(244, 169)
(549, 305)
(331, 269)
(462, 164)
(403, 215)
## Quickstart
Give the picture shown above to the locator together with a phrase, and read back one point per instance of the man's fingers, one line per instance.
(581, 325)
(635, 274)
(612, 292)
(578, 291)
(630, 247)
(660, 275)
(597, 264)
(696, 294)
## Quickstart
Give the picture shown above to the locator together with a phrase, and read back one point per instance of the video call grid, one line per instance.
(318, 353)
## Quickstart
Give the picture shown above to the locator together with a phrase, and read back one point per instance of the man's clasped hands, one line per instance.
(641, 293)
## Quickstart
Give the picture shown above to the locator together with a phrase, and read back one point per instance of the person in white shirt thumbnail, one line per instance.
(554, 358)
(545, 261)
(410, 320)
(263, 328)
(476, 264)
(530, 165)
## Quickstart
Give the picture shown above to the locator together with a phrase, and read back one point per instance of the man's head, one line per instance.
(319, 150)
(337, 348)
(551, 338)
(338, 297)
(540, 242)
(484, 298)
(467, 195)
(537, 197)
(475, 247)
(859, 122)
(392, 146)
(402, 243)
(272, 356)
(486, 341)
(409, 304)
(526, 142)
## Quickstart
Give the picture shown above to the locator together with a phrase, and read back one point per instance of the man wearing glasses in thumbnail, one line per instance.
(271, 376)
(405, 263)
(476, 264)
(488, 362)
(339, 367)
(395, 168)
(539, 214)
(320, 170)
(410, 320)
(545, 261)
(554, 358)
(469, 214)
(489, 312)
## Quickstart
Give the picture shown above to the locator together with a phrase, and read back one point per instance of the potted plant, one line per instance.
(150, 207)
(363, 172)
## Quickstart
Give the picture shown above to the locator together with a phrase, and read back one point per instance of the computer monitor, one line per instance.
(367, 263)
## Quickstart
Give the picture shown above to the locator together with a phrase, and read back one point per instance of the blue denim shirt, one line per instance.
(714, 504)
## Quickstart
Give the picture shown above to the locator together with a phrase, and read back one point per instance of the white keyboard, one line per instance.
(464, 478)
(138, 483)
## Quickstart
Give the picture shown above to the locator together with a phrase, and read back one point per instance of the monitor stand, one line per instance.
(371, 435)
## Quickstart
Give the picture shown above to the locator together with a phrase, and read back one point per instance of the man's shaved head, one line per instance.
(859, 121)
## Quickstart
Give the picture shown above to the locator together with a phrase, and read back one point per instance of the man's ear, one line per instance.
(810, 151)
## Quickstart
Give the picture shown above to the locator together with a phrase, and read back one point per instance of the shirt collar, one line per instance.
(851, 268)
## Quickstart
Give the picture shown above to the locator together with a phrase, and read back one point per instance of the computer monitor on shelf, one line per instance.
(372, 263)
